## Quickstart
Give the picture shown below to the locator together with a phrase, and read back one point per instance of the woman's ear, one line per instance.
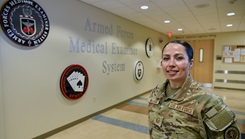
(191, 63)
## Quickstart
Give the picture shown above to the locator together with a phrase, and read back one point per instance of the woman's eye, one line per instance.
(165, 59)
(180, 58)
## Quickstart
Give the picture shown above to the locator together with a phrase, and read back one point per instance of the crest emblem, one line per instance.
(232, 133)
(27, 23)
(149, 47)
(138, 70)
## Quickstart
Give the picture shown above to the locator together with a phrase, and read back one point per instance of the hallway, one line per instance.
(129, 120)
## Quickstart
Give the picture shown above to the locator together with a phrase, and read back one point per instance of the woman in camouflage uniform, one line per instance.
(180, 108)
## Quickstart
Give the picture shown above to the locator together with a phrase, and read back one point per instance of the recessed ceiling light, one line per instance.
(144, 7)
(229, 25)
(166, 21)
(230, 14)
(180, 29)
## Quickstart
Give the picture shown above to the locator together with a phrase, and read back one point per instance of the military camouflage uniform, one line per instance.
(193, 112)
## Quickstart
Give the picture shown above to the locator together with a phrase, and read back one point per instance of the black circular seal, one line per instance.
(24, 22)
(74, 82)
(149, 47)
(138, 70)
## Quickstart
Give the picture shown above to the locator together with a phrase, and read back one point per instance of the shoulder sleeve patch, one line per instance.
(219, 119)
(232, 133)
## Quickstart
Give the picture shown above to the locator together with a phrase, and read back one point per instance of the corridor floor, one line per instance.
(129, 120)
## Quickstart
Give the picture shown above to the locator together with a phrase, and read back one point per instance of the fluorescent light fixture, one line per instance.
(144, 7)
(229, 25)
(230, 14)
(201, 55)
(167, 21)
(225, 71)
(180, 29)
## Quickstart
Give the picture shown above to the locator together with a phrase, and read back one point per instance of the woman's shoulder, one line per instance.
(157, 93)
(205, 94)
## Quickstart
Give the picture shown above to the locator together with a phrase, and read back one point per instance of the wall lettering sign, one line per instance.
(101, 28)
(93, 47)
(74, 82)
(195, 36)
(106, 48)
(24, 22)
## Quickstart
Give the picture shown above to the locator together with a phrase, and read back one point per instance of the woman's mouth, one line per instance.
(172, 72)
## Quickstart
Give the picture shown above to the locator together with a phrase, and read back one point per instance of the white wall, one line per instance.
(2, 134)
(31, 100)
(1, 100)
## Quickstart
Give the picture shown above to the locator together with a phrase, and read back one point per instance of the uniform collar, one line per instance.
(182, 92)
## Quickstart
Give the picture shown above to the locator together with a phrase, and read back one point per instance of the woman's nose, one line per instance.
(171, 62)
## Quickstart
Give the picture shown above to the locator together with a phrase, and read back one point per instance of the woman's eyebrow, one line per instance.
(179, 54)
(174, 54)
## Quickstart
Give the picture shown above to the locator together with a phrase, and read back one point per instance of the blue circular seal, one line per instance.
(24, 22)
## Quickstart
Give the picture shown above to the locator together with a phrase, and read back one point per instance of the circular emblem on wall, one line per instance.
(24, 22)
(74, 82)
(149, 47)
(138, 71)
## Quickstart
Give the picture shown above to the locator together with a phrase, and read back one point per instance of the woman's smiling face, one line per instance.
(175, 63)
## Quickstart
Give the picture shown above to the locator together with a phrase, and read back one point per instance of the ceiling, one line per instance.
(193, 16)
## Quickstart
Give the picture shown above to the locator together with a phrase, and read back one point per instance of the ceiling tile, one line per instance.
(194, 16)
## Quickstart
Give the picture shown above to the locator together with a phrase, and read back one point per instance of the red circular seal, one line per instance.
(74, 82)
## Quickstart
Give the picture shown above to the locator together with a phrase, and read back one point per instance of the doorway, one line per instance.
(202, 71)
